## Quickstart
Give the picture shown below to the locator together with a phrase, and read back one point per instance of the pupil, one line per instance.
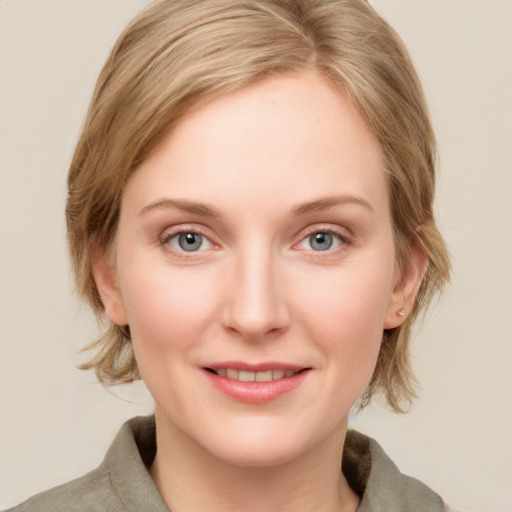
(190, 241)
(321, 241)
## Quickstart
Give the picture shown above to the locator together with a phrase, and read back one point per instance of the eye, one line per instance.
(322, 241)
(188, 241)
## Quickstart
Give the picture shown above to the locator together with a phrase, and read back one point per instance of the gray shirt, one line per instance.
(122, 482)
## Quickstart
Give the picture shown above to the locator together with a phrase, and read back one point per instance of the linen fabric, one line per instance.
(122, 482)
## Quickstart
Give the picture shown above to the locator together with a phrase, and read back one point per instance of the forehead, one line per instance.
(288, 135)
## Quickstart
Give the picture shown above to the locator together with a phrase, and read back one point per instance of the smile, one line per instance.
(250, 376)
(255, 383)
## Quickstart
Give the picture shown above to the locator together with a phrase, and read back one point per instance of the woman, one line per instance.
(250, 206)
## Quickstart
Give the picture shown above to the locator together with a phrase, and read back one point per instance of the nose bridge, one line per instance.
(256, 305)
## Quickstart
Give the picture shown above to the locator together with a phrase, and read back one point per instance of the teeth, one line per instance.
(247, 376)
(264, 376)
(244, 376)
(232, 374)
(277, 374)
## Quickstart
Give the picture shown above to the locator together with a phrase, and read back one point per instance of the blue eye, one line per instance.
(321, 241)
(189, 242)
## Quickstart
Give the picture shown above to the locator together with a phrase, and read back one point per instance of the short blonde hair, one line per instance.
(179, 52)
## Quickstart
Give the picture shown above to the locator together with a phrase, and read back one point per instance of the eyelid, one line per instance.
(172, 231)
(342, 234)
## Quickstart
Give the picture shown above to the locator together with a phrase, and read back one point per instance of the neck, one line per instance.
(190, 479)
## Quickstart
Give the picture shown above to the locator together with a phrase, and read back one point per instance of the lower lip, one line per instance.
(256, 392)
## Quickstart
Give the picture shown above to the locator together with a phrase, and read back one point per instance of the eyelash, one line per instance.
(171, 233)
(342, 236)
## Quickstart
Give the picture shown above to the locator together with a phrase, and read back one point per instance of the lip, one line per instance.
(256, 392)
(259, 367)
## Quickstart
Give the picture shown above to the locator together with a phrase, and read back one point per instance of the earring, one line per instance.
(401, 312)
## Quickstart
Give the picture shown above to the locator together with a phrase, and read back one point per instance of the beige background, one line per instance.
(56, 422)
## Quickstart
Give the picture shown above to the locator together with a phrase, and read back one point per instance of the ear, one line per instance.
(407, 283)
(104, 273)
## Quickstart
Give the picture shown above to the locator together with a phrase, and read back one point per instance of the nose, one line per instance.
(255, 305)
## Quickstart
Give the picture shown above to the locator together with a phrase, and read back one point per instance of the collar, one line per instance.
(369, 471)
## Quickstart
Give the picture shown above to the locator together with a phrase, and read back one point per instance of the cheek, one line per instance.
(167, 309)
(345, 314)
(346, 299)
(353, 342)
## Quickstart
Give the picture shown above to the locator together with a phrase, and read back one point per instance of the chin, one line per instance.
(265, 442)
(258, 454)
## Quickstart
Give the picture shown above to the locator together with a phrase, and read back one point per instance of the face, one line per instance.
(255, 266)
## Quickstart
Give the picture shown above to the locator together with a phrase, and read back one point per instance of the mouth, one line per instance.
(254, 376)
(255, 383)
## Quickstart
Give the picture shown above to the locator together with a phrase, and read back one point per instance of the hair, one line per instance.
(177, 53)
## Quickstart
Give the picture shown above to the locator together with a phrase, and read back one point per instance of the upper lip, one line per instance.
(258, 367)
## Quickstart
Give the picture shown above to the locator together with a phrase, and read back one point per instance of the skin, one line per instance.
(273, 168)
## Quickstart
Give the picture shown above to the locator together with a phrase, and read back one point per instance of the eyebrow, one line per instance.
(184, 205)
(207, 210)
(324, 203)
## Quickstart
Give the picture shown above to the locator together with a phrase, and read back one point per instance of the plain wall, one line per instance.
(56, 422)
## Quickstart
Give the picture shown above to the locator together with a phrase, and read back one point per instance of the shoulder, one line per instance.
(91, 493)
(380, 483)
(122, 482)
